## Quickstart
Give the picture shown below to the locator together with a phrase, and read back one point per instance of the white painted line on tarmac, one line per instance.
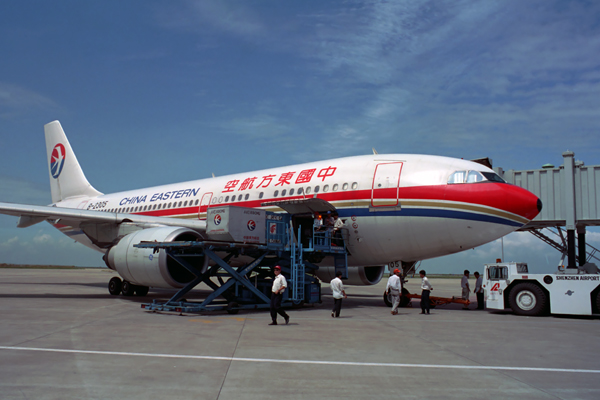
(310, 362)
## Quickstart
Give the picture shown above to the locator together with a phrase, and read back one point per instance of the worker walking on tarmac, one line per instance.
(426, 289)
(479, 290)
(337, 287)
(394, 289)
(279, 285)
(464, 284)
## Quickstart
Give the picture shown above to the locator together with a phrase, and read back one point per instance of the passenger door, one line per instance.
(386, 180)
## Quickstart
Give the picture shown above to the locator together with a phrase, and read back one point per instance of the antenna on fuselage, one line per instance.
(374, 151)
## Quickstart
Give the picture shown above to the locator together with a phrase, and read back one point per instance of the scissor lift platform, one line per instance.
(248, 286)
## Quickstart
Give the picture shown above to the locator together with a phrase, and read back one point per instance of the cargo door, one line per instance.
(204, 204)
(386, 180)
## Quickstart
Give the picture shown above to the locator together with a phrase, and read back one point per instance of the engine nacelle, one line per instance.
(356, 275)
(144, 267)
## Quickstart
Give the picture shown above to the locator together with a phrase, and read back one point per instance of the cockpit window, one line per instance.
(493, 177)
(474, 177)
(457, 177)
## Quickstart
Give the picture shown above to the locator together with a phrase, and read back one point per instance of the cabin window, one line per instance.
(307, 191)
(196, 202)
(260, 195)
(300, 191)
(335, 187)
(291, 192)
(246, 196)
(240, 197)
(354, 185)
(317, 188)
(283, 192)
(226, 199)
(326, 188)
(185, 203)
(276, 193)
(345, 186)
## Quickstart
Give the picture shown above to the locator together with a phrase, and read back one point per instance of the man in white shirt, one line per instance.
(464, 284)
(279, 285)
(394, 289)
(479, 290)
(337, 287)
(426, 289)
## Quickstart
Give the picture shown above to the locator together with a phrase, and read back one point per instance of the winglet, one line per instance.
(66, 176)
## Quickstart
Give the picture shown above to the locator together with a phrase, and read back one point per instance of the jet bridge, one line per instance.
(256, 240)
(570, 196)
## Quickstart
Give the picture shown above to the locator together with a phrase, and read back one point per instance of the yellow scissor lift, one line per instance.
(287, 242)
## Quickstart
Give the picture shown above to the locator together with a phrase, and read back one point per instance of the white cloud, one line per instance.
(16, 100)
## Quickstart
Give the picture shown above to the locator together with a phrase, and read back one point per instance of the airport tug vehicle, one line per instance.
(574, 291)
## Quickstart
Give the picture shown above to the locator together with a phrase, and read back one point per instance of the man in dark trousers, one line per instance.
(279, 285)
(479, 290)
(337, 287)
(425, 291)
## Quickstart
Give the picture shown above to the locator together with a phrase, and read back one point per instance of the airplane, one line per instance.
(396, 208)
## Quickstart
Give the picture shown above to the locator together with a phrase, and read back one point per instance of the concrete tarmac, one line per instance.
(62, 336)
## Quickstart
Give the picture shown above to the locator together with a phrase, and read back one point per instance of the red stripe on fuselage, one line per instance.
(501, 196)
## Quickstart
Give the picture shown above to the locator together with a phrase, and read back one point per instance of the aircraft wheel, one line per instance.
(386, 300)
(404, 301)
(127, 288)
(114, 286)
(230, 308)
(528, 299)
(141, 290)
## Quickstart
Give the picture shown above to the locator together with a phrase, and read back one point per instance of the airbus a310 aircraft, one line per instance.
(395, 207)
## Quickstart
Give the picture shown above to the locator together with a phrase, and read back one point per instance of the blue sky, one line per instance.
(153, 92)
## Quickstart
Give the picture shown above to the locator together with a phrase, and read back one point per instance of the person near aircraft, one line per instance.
(479, 290)
(426, 289)
(337, 287)
(464, 284)
(279, 286)
(394, 289)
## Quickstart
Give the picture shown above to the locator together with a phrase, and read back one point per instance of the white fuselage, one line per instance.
(395, 207)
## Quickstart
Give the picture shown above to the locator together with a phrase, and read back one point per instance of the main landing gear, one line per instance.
(116, 286)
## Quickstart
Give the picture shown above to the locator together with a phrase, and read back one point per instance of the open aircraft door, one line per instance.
(204, 204)
(386, 180)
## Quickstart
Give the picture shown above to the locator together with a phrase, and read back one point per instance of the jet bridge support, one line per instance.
(248, 286)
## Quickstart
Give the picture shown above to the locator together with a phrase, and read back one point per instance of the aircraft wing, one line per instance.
(31, 215)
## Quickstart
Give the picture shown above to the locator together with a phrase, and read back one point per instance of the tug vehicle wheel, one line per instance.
(528, 299)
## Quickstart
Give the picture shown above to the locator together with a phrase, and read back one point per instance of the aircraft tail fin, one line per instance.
(66, 176)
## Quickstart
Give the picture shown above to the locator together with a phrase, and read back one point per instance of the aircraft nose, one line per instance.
(523, 202)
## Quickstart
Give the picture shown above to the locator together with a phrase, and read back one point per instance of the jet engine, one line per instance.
(147, 268)
(356, 275)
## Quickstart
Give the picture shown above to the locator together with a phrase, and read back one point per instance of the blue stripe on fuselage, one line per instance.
(426, 212)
